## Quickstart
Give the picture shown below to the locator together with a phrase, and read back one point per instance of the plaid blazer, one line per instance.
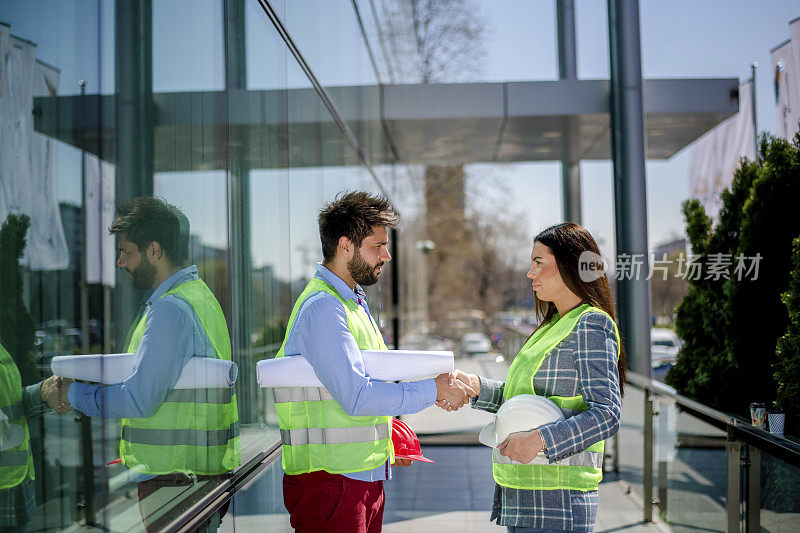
(584, 363)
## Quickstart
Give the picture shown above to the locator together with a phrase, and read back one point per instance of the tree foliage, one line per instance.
(731, 324)
(787, 364)
(17, 327)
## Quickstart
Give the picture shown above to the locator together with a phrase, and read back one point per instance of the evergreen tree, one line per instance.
(731, 323)
(700, 321)
(755, 315)
(787, 364)
(17, 327)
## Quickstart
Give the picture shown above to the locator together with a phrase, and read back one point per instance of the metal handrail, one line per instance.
(781, 447)
(744, 444)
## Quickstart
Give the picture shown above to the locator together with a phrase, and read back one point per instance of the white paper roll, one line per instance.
(110, 369)
(389, 365)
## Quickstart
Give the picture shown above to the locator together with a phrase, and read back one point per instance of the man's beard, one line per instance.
(144, 275)
(362, 272)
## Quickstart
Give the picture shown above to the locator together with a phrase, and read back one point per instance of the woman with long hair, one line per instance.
(576, 360)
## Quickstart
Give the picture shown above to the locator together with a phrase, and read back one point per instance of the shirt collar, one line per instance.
(338, 283)
(181, 276)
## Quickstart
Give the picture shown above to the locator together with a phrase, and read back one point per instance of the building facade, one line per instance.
(224, 109)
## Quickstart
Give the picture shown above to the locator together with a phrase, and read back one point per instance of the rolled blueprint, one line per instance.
(389, 365)
(110, 369)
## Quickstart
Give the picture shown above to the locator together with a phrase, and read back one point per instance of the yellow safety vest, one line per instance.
(316, 433)
(16, 464)
(194, 430)
(582, 471)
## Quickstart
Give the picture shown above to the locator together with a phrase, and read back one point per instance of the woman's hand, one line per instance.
(522, 446)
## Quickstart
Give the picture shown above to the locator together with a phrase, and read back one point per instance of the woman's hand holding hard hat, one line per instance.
(521, 446)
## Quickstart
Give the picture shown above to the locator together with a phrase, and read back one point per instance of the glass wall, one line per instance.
(205, 105)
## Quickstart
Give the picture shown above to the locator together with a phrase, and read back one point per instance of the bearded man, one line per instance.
(337, 447)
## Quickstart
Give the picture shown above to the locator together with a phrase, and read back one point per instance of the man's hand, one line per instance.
(522, 446)
(402, 462)
(470, 380)
(54, 392)
(451, 396)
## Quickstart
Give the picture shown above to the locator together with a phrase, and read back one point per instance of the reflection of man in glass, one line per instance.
(169, 437)
(17, 404)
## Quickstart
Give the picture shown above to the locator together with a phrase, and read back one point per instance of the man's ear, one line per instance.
(154, 250)
(345, 247)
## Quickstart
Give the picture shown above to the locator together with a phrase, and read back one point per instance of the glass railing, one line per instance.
(701, 468)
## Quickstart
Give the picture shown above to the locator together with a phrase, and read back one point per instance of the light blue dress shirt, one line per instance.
(321, 334)
(172, 335)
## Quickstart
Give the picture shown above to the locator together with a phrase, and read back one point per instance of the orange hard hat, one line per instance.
(406, 443)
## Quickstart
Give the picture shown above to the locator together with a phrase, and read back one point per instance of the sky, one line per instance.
(680, 39)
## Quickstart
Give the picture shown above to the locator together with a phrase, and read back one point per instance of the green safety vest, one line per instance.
(316, 433)
(582, 471)
(16, 464)
(194, 430)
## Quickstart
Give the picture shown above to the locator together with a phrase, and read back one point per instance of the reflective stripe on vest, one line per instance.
(299, 437)
(220, 396)
(180, 437)
(315, 431)
(586, 458)
(16, 464)
(13, 458)
(302, 394)
(581, 471)
(193, 430)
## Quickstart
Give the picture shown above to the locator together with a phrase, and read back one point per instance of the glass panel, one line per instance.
(217, 120)
(780, 495)
(698, 476)
(259, 506)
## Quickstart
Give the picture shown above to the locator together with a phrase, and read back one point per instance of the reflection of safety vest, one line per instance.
(16, 463)
(582, 471)
(194, 430)
(315, 431)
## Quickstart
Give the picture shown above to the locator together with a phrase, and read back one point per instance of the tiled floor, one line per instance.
(455, 494)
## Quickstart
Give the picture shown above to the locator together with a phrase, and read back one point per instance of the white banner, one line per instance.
(99, 204)
(715, 155)
(786, 69)
(27, 159)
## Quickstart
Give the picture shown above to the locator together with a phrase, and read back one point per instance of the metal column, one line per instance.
(733, 509)
(568, 70)
(241, 261)
(630, 199)
(134, 120)
(647, 487)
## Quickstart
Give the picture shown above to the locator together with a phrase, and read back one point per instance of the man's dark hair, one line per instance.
(147, 219)
(353, 215)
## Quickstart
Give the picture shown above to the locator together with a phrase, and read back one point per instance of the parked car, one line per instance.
(664, 347)
(473, 343)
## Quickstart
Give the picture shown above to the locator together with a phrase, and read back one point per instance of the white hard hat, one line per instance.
(520, 413)
(15, 437)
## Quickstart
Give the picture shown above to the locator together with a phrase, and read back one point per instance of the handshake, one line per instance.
(54, 393)
(454, 390)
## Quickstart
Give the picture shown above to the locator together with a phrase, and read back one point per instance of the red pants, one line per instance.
(332, 503)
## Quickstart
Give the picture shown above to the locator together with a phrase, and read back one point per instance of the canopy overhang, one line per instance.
(432, 124)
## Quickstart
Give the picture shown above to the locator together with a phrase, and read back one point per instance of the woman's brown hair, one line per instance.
(567, 242)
